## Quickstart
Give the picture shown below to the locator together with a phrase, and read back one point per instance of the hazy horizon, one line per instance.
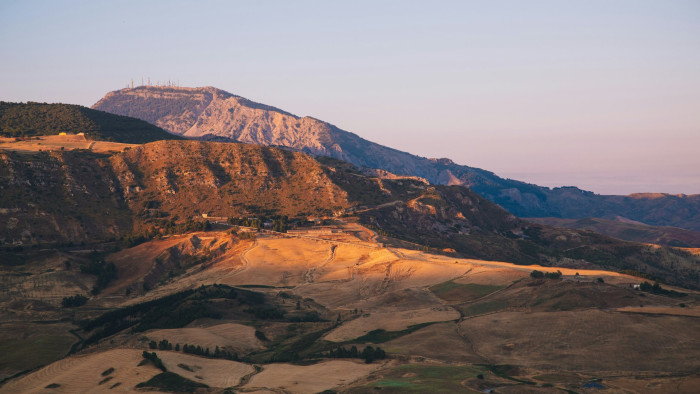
(600, 95)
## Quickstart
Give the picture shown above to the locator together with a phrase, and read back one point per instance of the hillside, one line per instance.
(304, 313)
(38, 119)
(623, 229)
(165, 186)
(213, 114)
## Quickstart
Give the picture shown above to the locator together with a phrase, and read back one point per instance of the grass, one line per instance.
(37, 349)
(452, 291)
(504, 371)
(482, 307)
(293, 349)
(414, 378)
(168, 381)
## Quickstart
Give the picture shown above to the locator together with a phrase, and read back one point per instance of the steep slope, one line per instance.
(160, 187)
(182, 179)
(34, 119)
(59, 197)
(213, 114)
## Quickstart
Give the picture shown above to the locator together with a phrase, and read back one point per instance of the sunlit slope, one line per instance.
(214, 114)
(425, 310)
(74, 196)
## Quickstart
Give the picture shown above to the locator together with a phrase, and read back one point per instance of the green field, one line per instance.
(32, 346)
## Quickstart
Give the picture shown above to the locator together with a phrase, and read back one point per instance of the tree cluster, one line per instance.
(164, 227)
(217, 353)
(74, 301)
(172, 311)
(105, 272)
(279, 223)
(369, 353)
(192, 349)
(153, 357)
(657, 289)
(266, 312)
(537, 274)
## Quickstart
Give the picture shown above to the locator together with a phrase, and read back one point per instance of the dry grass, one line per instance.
(440, 341)
(25, 346)
(230, 335)
(212, 372)
(657, 385)
(62, 142)
(663, 310)
(390, 321)
(82, 374)
(588, 340)
(311, 378)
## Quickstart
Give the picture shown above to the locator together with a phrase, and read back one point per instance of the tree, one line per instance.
(73, 301)
(553, 275)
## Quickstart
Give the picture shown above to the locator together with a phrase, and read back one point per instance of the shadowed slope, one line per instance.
(33, 119)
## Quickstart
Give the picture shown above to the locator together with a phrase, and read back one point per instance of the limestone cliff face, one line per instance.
(212, 114)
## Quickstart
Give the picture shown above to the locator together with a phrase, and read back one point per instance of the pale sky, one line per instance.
(604, 95)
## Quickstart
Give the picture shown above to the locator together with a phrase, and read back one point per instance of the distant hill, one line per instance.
(638, 232)
(212, 114)
(34, 119)
(78, 196)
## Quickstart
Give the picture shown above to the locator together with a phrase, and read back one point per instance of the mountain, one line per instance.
(629, 230)
(150, 190)
(212, 114)
(36, 119)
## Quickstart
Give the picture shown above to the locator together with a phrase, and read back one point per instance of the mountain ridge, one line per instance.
(150, 190)
(39, 119)
(213, 114)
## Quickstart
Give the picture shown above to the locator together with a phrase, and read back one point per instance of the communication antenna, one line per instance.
(132, 83)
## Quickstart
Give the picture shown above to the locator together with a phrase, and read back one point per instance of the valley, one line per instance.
(203, 266)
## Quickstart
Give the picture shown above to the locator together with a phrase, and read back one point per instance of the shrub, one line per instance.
(537, 274)
(553, 275)
(153, 357)
(172, 382)
(73, 301)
